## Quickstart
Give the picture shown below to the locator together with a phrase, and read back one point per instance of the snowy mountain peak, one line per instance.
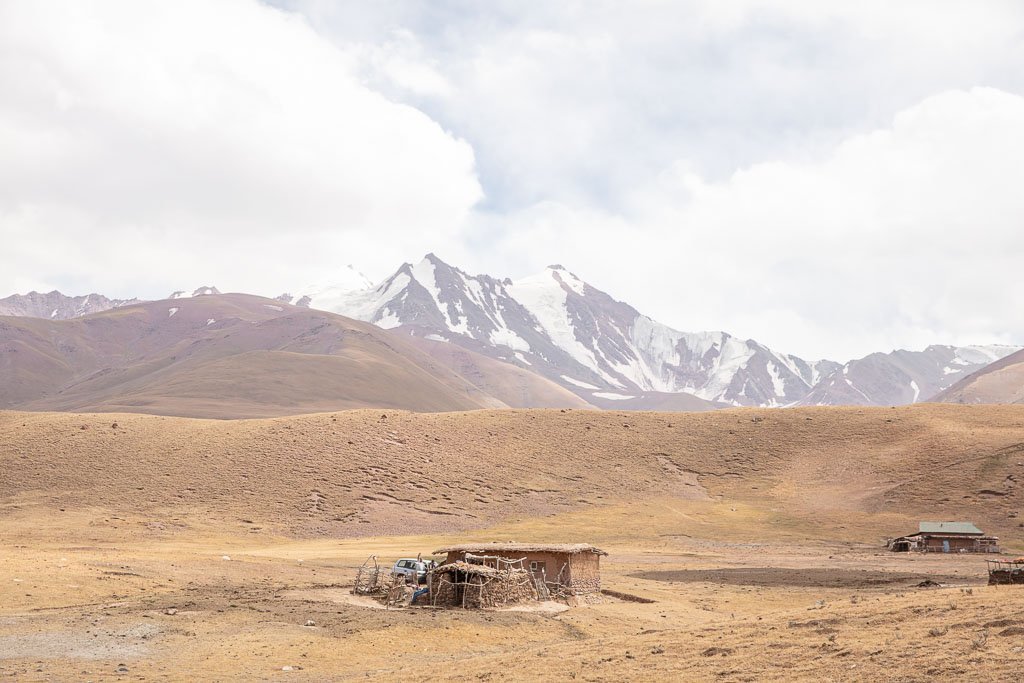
(200, 291)
(556, 324)
(329, 293)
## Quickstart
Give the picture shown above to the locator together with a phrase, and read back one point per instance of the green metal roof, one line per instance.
(949, 528)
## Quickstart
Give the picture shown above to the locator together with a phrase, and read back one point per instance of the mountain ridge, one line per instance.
(605, 352)
(611, 355)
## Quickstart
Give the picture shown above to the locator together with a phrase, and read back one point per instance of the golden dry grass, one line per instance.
(150, 509)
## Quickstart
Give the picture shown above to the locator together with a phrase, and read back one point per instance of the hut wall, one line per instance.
(936, 544)
(585, 573)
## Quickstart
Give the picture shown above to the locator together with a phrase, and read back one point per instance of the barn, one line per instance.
(570, 569)
(946, 537)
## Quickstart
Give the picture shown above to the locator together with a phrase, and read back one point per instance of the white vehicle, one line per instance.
(416, 569)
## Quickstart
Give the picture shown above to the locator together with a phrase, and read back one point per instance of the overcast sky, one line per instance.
(829, 178)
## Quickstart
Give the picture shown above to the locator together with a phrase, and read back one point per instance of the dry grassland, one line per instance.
(755, 532)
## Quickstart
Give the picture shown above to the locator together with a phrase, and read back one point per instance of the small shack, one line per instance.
(946, 537)
(567, 569)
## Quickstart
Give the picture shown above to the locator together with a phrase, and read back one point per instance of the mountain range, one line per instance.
(611, 355)
(550, 340)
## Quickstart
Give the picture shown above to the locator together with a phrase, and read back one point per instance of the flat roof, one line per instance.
(483, 548)
(966, 528)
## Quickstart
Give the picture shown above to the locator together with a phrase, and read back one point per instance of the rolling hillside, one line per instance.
(231, 356)
(1000, 382)
(821, 470)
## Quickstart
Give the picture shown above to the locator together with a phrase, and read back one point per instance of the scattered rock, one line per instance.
(309, 622)
(713, 651)
(171, 611)
(226, 557)
(113, 426)
(928, 583)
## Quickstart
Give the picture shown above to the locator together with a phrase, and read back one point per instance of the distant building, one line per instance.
(573, 569)
(946, 537)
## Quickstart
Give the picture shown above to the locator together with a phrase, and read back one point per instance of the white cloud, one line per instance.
(903, 236)
(146, 142)
(824, 177)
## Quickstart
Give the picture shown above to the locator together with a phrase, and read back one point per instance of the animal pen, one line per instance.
(1005, 571)
(481, 582)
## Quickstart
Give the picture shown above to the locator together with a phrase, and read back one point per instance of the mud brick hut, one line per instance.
(570, 569)
(946, 537)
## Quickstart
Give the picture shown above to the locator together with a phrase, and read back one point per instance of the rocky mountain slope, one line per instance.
(1000, 382)
(56, 306)
(235, 356)
(611, 355)
(902, 377)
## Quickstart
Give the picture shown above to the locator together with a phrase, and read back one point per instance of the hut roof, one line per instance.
(473, 569)
(966, 528)
(567, 548)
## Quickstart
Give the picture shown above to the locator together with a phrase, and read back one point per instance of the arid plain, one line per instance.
(171, 548)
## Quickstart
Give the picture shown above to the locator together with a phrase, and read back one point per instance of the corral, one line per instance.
(462, 584)
(1005, 571)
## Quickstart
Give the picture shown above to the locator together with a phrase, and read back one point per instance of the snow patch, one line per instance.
(436, 337)
(388, 320)
(522, 358)
(172, 311)
(210, 321)
(503, 336)
(273, 307)
(612, 397)
(917, 391)
(777, 384)
(576, 382)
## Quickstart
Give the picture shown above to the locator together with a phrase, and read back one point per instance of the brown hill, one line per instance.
(220, 356)
(1000, 382)
(819, 471)
(512, 385)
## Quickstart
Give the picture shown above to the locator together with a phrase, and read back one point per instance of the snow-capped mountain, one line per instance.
(57, 306)
(569, 331)
(605, 351)
(610, 354)
(332, 294)
(902, 376)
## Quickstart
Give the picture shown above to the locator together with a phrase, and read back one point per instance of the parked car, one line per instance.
(416, 569)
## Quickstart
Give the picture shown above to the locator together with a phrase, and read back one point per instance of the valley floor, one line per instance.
(164, 549)
(95, 596)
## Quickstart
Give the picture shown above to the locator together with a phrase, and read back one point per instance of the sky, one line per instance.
(828, 178)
